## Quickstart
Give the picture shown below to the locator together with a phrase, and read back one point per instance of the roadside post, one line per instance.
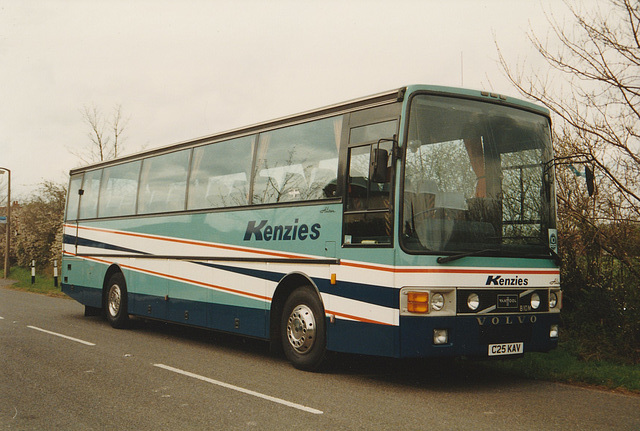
(33, 271)
(7, 246)
(55, 272)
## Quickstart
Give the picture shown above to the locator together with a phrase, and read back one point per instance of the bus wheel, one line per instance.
(302, 329)
(116, 301)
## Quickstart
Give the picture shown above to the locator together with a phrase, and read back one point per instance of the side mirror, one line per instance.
(378, 167)
(588, 173)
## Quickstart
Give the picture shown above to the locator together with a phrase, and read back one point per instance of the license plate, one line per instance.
(506, 349)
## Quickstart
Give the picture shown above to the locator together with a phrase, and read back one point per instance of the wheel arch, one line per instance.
(285, 287)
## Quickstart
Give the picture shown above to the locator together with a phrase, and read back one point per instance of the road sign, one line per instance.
(3, 220)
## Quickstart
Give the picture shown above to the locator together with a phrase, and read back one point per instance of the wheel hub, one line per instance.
(114, 300)
(301, 329)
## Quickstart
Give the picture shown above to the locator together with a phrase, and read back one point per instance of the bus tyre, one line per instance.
(302, 329)
(116, 301)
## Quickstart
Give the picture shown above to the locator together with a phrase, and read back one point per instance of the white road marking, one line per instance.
(239, 389)
(61, 336)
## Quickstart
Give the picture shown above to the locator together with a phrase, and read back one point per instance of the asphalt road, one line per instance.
(165, 377)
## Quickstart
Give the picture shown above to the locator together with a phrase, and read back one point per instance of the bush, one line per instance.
(601, 302)
(38, 226)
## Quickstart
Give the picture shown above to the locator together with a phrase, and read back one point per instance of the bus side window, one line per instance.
(163, 183)
(368, 216)
(297, 163)
(220, 173)
(90, 192)
(73, 201)
(118, 190)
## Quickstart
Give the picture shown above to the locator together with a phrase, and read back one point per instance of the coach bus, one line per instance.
(418, 222)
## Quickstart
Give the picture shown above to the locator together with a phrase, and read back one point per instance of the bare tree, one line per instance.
(106, 134)
(593, 88)
(118, 125)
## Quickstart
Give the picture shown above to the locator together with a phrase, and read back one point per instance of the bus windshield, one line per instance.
(477, 176)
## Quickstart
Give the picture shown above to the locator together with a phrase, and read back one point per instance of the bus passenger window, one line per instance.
(118, 190)
(74, 197)
(90, 192)
(218, 180)
(163, 183)
(297, 163)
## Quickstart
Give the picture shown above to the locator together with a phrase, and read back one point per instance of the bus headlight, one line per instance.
(535, 301)
(553, 300)
(440, 336)
(473, 301)
(437, 301)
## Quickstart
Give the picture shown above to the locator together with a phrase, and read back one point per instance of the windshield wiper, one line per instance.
(554, 255)
(445, 259)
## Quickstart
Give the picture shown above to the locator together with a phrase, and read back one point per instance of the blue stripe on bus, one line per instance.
(378, 295)
(255, 273)
(84, 242)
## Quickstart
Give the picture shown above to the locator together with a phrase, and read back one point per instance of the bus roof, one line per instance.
(387, 97)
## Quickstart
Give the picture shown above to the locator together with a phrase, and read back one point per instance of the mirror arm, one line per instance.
(374, 168)
(396, 150)
(570, 160)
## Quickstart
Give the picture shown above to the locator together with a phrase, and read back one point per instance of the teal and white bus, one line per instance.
(418, 222)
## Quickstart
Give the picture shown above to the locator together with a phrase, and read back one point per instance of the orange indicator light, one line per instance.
(418, 302)
(418, 297)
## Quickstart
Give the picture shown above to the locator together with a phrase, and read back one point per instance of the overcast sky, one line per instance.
(184, 69)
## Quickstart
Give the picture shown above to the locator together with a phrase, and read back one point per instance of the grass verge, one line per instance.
(560, 365)
(43, 283)
(564, 365)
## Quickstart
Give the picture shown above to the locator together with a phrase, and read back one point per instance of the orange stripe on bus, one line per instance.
(359, 319)
(192, 242)
(449, 270)
(173, 277)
